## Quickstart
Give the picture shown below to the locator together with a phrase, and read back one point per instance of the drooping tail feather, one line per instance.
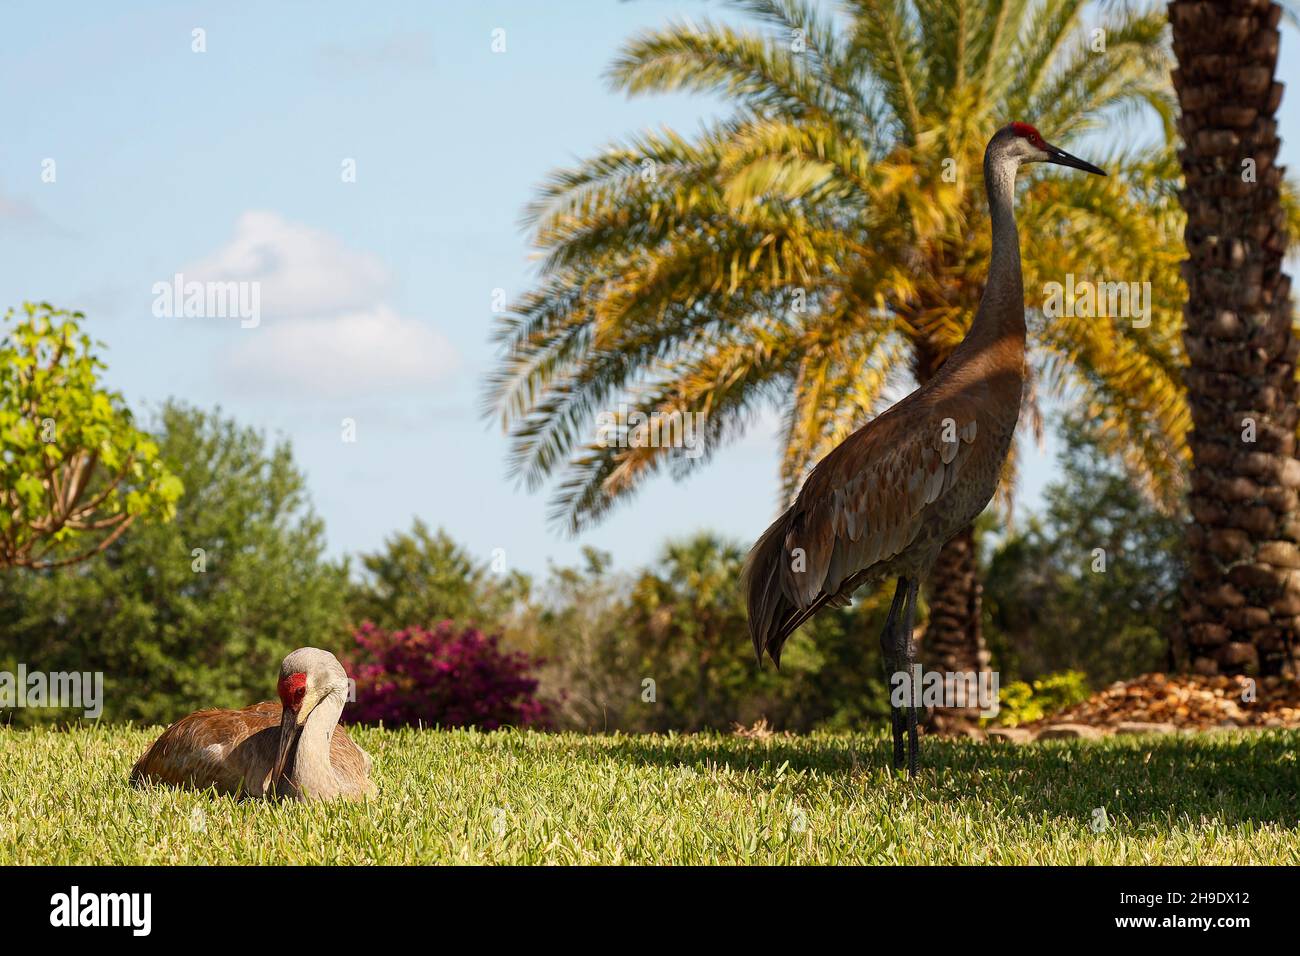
(770, 609)
(771, 595)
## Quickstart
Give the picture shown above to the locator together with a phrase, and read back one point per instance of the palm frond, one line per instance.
(799, 251)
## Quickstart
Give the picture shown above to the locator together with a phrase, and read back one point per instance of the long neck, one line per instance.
(1000, 184)
(312, 772)
(1001, 314)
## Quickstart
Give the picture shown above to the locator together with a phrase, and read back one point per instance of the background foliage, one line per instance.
(421, 577)
(171, 638)
(75, 472)
(1049, 610)
(442, 677)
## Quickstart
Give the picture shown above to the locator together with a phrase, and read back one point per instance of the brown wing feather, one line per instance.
(233, 751)
(860, 507)
(214, 748)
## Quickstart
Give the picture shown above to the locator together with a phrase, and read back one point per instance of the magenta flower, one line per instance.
(443, 677)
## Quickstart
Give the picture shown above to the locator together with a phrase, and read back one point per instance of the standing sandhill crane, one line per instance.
(885, 501)
(289, 749)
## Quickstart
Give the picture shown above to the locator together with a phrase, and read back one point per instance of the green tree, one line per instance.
(1092, 583)
(75, 472)
(824, 244)
(578, 623)
(687, 614)
(422, 577)
(684, 615)
(605, 635)
(197, 612)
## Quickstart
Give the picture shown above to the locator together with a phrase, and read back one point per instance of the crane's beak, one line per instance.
(289, 731)
(1061, 158)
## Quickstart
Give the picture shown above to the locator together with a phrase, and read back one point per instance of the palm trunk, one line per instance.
(1241, 599)
(954, 634)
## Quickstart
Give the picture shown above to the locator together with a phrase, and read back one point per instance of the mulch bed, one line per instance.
(1164, 704)
(1188, 702)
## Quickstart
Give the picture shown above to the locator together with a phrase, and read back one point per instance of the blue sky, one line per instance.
(377, 305)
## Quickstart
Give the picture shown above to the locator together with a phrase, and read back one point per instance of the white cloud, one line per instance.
(327, 329)
(356, 353)
(302, 271)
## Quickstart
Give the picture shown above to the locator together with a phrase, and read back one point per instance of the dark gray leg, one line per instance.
(908, 649)
(889, 649)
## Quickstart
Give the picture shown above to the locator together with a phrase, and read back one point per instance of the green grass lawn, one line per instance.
(465, 797)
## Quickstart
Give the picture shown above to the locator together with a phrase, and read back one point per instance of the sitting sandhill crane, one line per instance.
(883, 503)
(293, 749)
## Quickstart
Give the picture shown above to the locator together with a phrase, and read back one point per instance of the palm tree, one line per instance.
(826, 242)
(1241, 600)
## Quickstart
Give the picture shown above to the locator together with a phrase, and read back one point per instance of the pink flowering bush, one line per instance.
(443, 677)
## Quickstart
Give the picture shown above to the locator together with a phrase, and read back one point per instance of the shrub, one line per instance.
(680, 623)
(195, 612)
(1023, 703)
(443, 677)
